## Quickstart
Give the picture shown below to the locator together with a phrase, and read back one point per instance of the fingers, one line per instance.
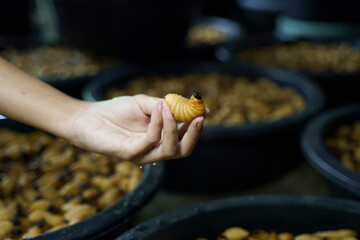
(183, 129)
(185, 126)
(153, 134)
(191, 137)
(147, 103)
(170, 146)
(207, 111)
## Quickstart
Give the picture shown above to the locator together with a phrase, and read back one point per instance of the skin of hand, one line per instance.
(140, 129)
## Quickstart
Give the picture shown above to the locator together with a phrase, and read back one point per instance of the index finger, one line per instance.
(147, 103)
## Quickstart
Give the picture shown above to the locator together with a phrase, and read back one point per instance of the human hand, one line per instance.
(140, 129)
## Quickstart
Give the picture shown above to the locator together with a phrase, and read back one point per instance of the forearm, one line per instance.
(26, 99)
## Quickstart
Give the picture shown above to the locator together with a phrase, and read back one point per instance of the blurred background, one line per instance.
(303, 57)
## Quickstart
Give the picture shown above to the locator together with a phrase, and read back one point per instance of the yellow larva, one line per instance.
(185, 110)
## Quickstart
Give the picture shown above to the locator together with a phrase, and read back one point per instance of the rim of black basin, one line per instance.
(229, 27)
(318, 155)
(227, 53)
(190, 216)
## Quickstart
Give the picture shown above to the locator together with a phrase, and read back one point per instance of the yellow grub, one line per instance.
(183, 109)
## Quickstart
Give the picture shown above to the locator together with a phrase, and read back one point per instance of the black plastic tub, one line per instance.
(321, 19)
(343, 181)
(259, 15)
(339, 88)
(231, 29)
(323, 10)
(139, 30)
(281, 213)
(112, 221)
(227, 158)
(72, 86)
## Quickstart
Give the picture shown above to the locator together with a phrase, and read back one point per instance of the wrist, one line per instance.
(71, 128)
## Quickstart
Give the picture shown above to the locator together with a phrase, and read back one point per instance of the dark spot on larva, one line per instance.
(2, 176)
(41, 223)
(17, 220)
(68, 171)
(52, 209)
(25, 157)
(36, 167)
(68, 197)
(197, 95)
(8, 164)
(81, 199)
(34, 186)
(23, 93)
(84, 185)
(38, 197)
(98, 191)
(61, 178)
(16, 232)
(20, 207)
(18, 189)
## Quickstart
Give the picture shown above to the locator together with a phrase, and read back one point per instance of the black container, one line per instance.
(227, 158)
(233, 30)
(323, 10)
(140, 30)
(282, 213)
(111, 221)
(338, 88)
(288, 28)
(221, 8)
(15, 18)
(72, 86)
(344, 182)
(259, 15)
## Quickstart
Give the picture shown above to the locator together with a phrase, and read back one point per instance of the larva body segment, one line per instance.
(183, 109)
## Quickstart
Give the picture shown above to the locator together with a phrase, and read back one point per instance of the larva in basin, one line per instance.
(183, 109)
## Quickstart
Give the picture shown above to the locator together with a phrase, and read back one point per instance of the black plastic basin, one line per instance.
(227, 158)
(138, 30)
(344, 182)
(72, 86)
(339, 88)
(109, 222)
(232, 30)
(297, 214)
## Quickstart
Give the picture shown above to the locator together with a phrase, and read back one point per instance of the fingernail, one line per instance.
(160, 107)
(168, 113)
